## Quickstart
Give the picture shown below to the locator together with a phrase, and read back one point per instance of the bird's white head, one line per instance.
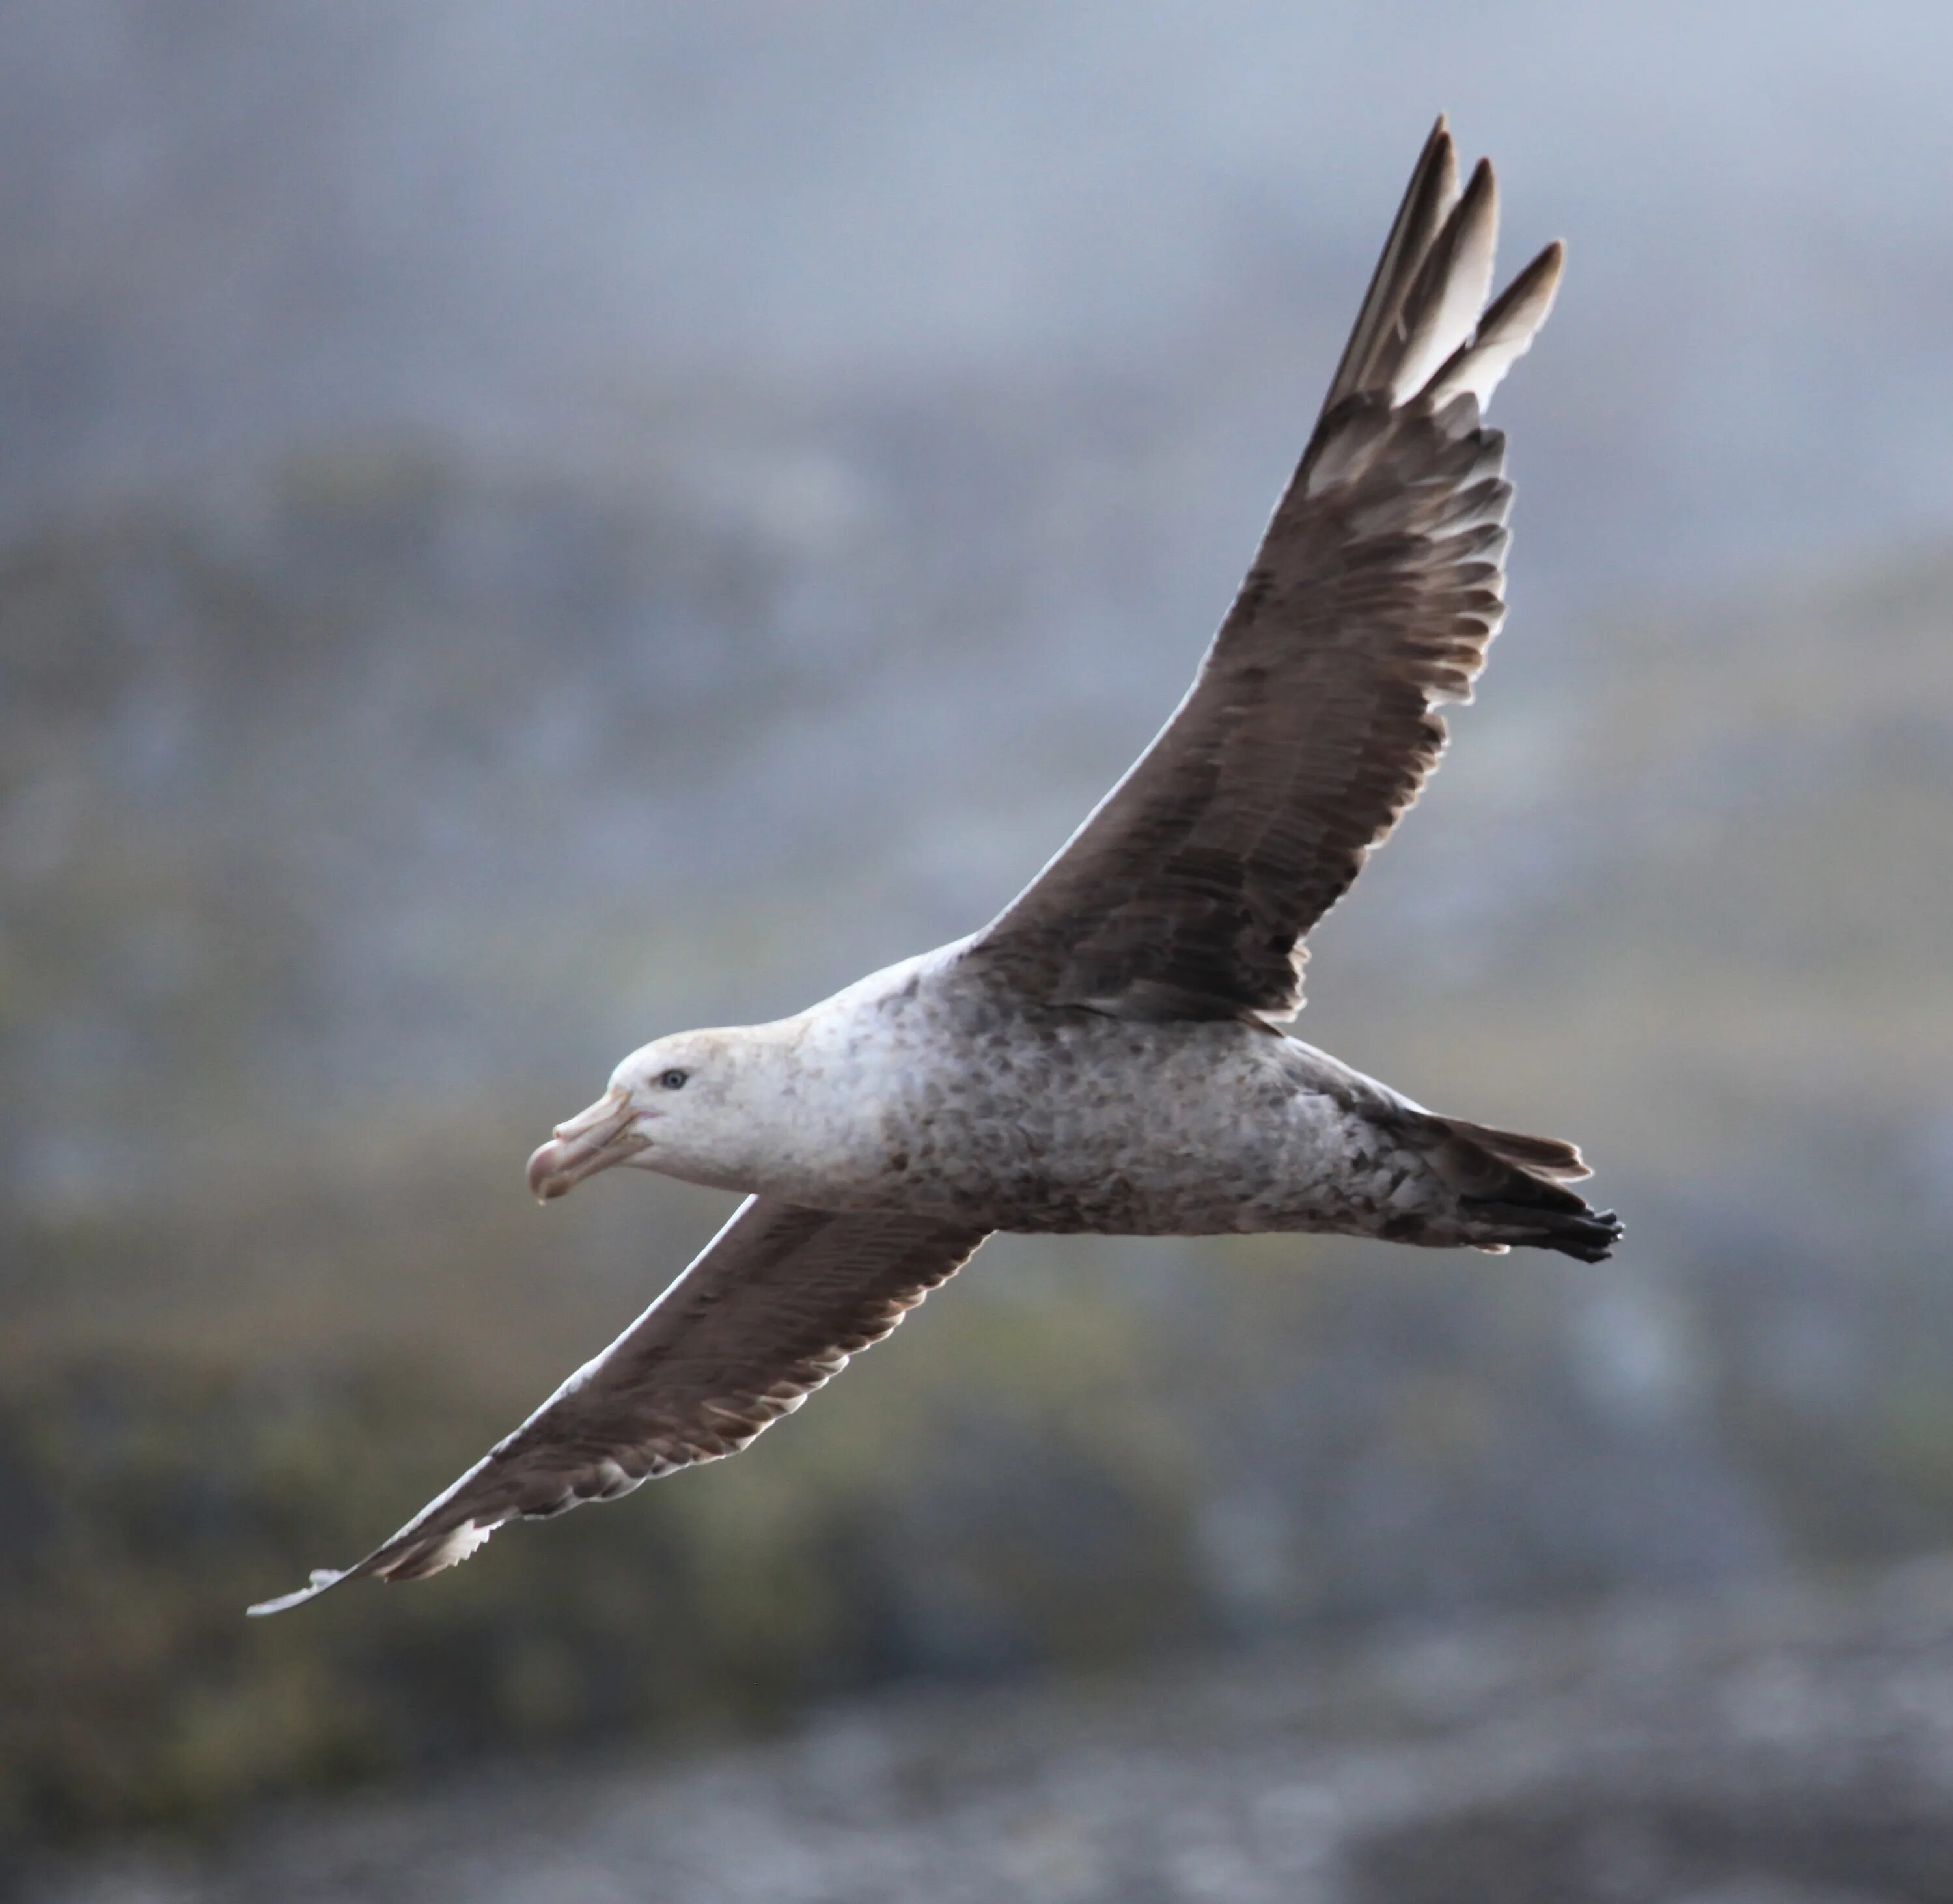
(694, 1105)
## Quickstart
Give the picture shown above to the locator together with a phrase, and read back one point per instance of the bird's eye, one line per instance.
(674, 1080)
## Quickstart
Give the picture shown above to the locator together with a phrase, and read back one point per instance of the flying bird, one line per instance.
(1106, 1054)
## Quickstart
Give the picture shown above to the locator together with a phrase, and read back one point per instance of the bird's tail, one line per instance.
(1512, 1190)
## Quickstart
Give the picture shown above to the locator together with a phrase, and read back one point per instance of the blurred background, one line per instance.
(526, 527)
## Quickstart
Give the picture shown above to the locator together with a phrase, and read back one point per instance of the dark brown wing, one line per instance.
(1313, 722)
(773, 1306)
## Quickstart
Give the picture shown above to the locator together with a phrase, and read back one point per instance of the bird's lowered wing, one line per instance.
(773, 1306)
(1313, 722)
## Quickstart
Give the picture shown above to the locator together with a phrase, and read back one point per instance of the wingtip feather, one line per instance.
(1505, 333)
(1427, 202)
(322, 1578)
(415, 1560)
(1442, 308)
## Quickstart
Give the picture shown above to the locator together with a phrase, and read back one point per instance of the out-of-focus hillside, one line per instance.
(523, 530)
(1792, 1745)
(295, 977)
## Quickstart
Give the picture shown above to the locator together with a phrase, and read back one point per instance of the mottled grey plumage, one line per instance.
(1101, 1057)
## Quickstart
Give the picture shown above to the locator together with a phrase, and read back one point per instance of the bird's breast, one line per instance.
(1064, 1121)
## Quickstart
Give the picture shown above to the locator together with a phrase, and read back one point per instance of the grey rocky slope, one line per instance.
(1779, 1747)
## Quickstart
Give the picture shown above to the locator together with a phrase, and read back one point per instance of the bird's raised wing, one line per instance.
(773, 1306)
(1313, 722)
